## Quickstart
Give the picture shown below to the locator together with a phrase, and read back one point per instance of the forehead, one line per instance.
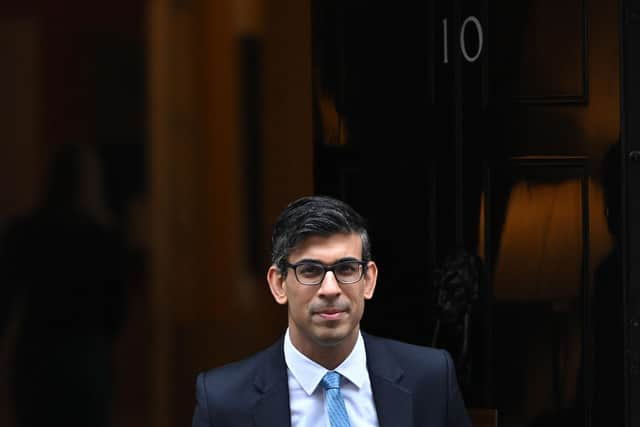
(328, 249)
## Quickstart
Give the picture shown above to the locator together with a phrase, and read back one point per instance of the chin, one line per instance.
(332, 338)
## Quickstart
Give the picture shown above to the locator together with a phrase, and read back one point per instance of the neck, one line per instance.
(327, 354)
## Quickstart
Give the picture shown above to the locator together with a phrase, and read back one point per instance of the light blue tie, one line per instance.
(333, 400)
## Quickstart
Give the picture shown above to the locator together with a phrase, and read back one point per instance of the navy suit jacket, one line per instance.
(412, 386)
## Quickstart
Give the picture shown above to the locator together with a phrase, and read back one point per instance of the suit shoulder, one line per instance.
(411, 355)
(234, 377)
(228, 393)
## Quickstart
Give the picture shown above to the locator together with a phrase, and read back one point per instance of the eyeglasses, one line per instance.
(312, 273)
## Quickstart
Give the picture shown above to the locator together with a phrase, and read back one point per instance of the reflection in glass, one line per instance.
(539, 271)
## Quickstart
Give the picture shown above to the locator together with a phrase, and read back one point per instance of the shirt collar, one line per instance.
(309, 373)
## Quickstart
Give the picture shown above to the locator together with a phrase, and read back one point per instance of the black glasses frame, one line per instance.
(326, 268)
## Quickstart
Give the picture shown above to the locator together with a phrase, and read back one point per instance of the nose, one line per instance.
(329, 287)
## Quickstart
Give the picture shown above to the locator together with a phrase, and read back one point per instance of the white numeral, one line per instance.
(463, 47)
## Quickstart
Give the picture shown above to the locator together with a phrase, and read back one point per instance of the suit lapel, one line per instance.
(271, 383)
(394, 403)
(273, 409)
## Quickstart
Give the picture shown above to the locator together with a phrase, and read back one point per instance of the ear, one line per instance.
(277, 285)
(371, 278)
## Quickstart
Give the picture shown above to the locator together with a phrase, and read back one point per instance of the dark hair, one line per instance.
(314, 216)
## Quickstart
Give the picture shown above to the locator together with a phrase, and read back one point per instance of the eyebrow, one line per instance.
(316, 261)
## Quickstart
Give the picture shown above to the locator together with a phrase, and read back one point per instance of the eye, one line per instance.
(310, 270)
(348, 268)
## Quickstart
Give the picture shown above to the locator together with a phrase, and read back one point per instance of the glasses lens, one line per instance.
(348, 272)
(309, 274)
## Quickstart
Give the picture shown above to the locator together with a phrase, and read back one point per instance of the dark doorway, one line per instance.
(476, 138)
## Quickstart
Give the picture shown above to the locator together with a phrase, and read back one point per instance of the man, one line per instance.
(324, 371)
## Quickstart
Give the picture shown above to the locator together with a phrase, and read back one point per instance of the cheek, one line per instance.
(357, 298)
(299, 301)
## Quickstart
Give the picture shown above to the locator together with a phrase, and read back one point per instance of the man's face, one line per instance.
(328, 314)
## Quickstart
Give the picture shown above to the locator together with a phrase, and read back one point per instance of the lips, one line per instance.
(331, 313)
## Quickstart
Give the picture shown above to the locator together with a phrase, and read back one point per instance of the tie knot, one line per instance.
(331, 380)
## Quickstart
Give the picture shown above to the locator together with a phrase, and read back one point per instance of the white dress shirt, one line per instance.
(306, 395)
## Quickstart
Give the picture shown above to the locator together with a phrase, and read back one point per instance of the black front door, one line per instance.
(476, 137)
